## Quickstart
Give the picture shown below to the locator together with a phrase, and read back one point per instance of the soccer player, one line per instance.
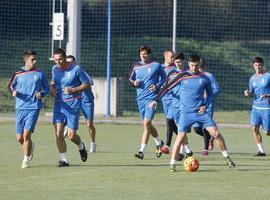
(167, 100)
(87, 107)
(68, 81)
(28, 85)
(208, 140)
(193, 105)
(147, 76)
(259, 89)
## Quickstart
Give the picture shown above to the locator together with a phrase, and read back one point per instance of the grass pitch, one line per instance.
(114, 173)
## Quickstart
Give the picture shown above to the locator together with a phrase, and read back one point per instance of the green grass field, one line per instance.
(114, 173)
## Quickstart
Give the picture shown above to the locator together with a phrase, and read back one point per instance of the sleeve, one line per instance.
(12, 83)
(83, 76)
(210, 94)
(250, 87)
(215, 86)
(162, 75)
(45, 85)
(132, 76)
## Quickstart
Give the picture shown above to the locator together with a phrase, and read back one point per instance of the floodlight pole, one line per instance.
(108, 86)
(74, 29)
(174, 24)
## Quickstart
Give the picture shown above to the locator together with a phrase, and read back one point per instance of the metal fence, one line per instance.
(227, 34)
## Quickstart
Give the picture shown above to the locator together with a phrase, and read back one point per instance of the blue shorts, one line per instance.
(261, 117)
(145, 111)
(65, 114)
(26, 120)
(188, 119)
(167, 108)
(176, 115)
(88, 110)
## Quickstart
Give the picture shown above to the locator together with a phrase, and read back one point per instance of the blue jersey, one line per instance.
(87, 95)
(260, 85)
(151, 73)
(27, 83)
(168, 70)
(191, 91)
(72, 76)
(215, 89)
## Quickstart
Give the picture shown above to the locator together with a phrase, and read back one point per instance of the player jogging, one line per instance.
(147, 77)
(259, 89)
(28, 85)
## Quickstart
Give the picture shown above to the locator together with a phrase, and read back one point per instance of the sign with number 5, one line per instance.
(58, 26)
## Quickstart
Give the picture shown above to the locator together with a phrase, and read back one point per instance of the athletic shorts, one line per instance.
(65, 114)
(26, 120)
(188, 119)
(176, 115)
(167, 108)
(145, 111)
(261, 117)
(88, 110)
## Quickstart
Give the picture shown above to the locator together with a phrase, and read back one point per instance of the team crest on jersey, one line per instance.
(149, 70)
(263, 81)
(35, 77)
(69, 74)
(200, 81)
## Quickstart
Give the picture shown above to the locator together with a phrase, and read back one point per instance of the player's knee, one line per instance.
(20, 140)
(216, 134)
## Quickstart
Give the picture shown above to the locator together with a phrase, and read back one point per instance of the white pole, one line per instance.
(74, 28)
(174, 24)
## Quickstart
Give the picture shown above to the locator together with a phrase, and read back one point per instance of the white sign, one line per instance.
(58, 26)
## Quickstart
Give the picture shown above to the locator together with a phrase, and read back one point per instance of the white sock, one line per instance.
(260, 147)
(187, 148)
(157, 140)
(63, 157)
(26, 158)
(81, 146)
(143, 146)
(225, 153)
(182, 149)
(172, 162)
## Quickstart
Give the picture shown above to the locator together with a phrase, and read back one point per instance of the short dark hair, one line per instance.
(179, 55)
(144, 48)
(28, 53)
(194, 58)
(258, 60)
(60, 51)
(72, 57)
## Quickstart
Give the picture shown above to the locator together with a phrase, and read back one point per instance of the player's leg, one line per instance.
(257, 119)
(158, 141)
(221, 143)
(61, 144)
(88, 113)
(175, 150)
(72, 116)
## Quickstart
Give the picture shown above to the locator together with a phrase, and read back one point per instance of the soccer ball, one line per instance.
(191, 164)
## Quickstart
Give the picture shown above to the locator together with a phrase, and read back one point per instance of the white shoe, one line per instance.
(65, 131)
(93, 147)
(32, 152)
(25, 164)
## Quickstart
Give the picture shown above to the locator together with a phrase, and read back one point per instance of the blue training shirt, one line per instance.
(150, 73)
(27, 83)
(191, 92)
(72, 76)
(260, 85)
(87, 95)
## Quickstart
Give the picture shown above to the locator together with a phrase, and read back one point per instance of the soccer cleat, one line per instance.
(180, 157)
(172, 168)
(62, 163)
(139, 155)
(260, 154)
(93, 148)
(165, 149)
(83, 153)
(189, 154)
(32, 151)
(210, 145)
(204, 153)
(229, 162)
(25, 164)
(158, 150)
